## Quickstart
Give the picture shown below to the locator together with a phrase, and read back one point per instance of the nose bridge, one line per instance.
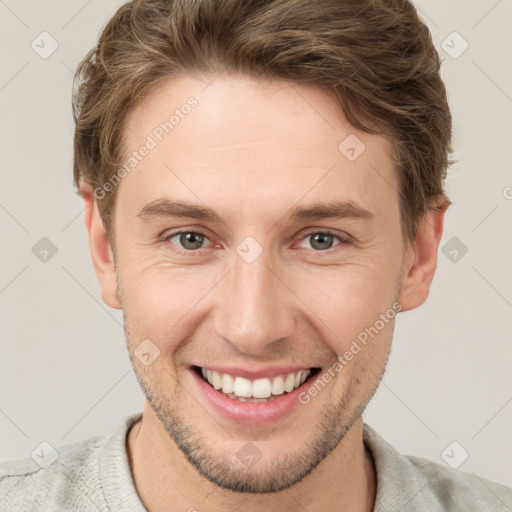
(254, 309)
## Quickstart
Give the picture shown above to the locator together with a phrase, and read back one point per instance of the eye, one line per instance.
(321, 240)
(189, 240)
(192, 241)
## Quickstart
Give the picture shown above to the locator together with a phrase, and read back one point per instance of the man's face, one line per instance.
(260, 292)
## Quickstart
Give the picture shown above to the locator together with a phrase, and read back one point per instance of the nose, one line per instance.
(255, 308)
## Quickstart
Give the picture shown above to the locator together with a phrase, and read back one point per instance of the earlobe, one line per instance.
(100, 248)
(421, 260)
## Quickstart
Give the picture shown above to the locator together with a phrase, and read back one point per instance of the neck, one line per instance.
(345, 480)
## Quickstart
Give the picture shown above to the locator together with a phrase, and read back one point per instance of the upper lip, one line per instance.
(255, 373)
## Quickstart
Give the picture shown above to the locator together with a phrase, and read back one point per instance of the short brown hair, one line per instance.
(375, 57)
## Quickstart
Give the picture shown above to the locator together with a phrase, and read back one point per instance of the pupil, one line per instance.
(319, 239)
(191, 240)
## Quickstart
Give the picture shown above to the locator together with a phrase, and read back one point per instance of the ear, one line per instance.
(101, 250)
(421, 260)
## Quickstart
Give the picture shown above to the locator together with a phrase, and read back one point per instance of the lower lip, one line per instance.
(250, 412)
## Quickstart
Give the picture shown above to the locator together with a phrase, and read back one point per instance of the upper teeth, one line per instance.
(258, 388)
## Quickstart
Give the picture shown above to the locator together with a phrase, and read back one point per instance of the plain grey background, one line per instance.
(64, 371)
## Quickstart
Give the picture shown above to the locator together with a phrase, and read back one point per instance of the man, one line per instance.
(264, 193)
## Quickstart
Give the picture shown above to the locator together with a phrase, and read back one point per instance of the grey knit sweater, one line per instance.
(94, 475)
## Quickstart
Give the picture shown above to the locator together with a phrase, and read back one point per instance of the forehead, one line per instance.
(242, 142)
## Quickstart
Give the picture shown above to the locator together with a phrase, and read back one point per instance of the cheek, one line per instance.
(158, 299)
(348, 301)
(164, 302)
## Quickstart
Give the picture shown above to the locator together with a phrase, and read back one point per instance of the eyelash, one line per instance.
(166, 238)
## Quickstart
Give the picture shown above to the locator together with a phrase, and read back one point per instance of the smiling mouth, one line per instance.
(256, 390)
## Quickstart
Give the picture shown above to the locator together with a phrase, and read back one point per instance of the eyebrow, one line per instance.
(167, 208)
(181, 209)
(338, 210)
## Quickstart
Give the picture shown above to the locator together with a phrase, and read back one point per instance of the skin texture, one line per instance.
(252, 152)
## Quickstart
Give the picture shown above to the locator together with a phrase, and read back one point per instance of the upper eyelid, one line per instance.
(328, 231)
(168, 236)
(324, 232)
